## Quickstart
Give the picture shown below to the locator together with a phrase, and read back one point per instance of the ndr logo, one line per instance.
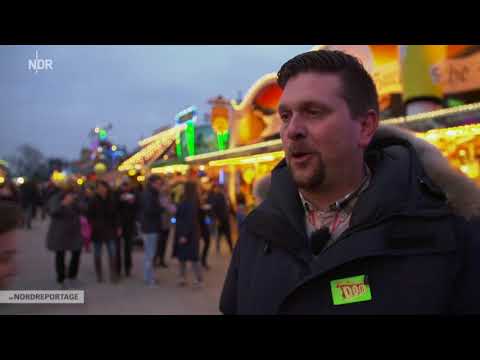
(39, 64)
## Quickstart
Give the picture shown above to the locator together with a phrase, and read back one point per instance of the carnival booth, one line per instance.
(433, 90)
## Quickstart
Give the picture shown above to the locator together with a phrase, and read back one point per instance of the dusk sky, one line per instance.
(135, 88)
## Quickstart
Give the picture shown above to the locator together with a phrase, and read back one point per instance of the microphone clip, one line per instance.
(319, 239)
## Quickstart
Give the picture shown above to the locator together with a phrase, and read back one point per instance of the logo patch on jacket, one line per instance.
(350, 290)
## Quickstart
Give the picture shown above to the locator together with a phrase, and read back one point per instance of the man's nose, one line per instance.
(296, 128)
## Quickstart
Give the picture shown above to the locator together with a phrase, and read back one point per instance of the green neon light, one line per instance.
(102, 134)
(455, 102)
(222, 140)
(226, 136)
(190, 133)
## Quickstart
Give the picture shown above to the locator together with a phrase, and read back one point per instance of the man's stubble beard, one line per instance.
(313, 181)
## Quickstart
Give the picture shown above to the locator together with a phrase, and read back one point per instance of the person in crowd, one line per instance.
(241, 209)
(169, 211)
(127, 207)
(64, 234)
(260, 189)
(103, 216)
(205, 220)
(187, 234)
(10, 219)
(86, 230)
(87, 193)
(221, 210)
(151, 224)
(29, 199)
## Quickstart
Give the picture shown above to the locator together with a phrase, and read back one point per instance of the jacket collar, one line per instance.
(463, 194)
(286, 199)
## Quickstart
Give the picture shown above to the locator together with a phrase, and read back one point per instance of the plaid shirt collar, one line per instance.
(336, 206)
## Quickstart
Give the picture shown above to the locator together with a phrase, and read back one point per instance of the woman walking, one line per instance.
(187, 234)
(64, 234)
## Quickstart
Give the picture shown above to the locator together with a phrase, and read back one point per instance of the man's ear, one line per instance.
(368, 126)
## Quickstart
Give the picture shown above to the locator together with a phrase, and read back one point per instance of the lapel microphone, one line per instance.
(319, 239)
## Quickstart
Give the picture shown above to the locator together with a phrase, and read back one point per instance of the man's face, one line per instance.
(7, 257)
(319, 136)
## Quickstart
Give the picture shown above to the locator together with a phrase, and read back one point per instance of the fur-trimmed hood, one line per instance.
(462, 193)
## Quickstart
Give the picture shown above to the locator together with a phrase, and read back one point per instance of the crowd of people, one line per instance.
(89, 218)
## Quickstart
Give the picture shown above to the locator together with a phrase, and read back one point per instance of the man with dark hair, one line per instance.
(127, 208)
(355, 221)
(103, 216)
(127, 203)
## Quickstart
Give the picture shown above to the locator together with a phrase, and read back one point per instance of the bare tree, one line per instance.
(26, 161)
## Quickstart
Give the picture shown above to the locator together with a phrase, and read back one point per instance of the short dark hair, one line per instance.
(359, 90)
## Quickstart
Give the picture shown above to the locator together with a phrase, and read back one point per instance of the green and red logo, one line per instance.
(350, 290)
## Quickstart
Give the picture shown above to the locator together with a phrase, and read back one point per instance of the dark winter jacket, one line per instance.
(220, 206)
(407, 250)
(103, 217)
(47, 193)
(151, 211)
(127, 211)
(64, 230)
(187, 225)
(29, 194)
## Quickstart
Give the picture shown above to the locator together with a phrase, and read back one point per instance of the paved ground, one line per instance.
(130, 296)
